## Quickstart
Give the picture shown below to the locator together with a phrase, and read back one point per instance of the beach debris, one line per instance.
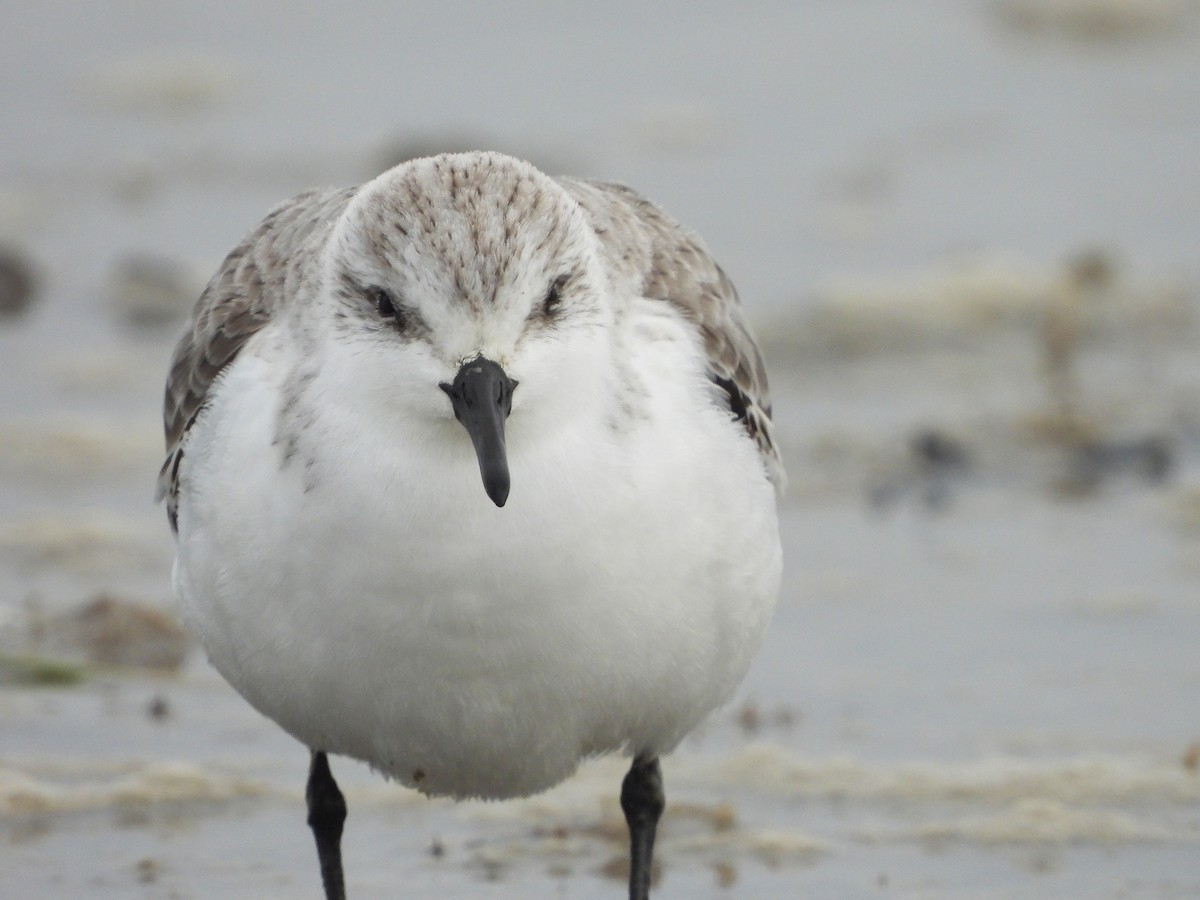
(164, 83)
(111, 631)
(965, 300)
(18, 282)
(133, 790)
(725, 874)
(617, 869)
(158, 709)
(151, 291)
(147, 870)
(678, 128)
(29, 670)
(1093, 20)
(1083, 283)
(1191, 758)
(1092, 463)
(751, 718)
(92, 542)
(934, 461)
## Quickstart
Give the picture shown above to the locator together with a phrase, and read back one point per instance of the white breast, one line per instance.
(369, 597)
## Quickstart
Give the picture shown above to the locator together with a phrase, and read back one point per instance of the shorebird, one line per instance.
(358, 365)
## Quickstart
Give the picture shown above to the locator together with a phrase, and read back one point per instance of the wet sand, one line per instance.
(967, 235)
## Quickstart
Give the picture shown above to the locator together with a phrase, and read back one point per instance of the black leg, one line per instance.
(642, 800)
(326, 815)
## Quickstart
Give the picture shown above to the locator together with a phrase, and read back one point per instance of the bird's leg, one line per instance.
(642, 800)
(326, 815)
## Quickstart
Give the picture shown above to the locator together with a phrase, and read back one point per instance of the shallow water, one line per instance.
(982, 679)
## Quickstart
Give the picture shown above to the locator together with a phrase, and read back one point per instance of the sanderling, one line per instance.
(337, 556)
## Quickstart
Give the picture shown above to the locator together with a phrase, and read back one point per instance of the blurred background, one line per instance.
(967, 233)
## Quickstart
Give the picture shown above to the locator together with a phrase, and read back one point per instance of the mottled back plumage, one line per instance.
(253, 281)
(674, 265)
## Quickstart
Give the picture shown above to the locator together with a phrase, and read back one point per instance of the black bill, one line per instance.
(482, 398)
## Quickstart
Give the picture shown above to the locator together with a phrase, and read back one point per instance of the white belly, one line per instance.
(376, 604)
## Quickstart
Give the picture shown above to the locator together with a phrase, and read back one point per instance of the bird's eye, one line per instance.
(386, 305)
(553, 299)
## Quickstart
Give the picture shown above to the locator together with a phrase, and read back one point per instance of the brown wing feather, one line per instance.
(673, 265)
(254, 280)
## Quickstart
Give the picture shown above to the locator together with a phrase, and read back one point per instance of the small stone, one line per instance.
(158, 709)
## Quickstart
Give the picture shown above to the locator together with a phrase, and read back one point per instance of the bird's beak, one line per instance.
(482, 398)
